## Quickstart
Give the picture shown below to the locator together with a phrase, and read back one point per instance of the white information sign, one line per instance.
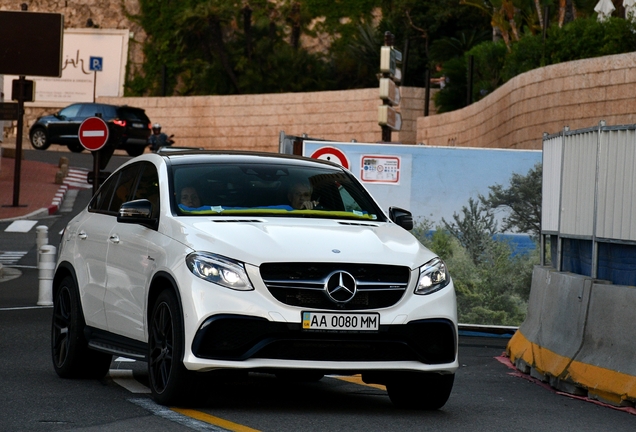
(78, 82)
(380, 169)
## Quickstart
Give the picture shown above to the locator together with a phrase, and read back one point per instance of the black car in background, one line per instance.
(129, 127)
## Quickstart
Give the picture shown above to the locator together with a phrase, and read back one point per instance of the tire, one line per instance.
(69, 349)
(169, 379)
(75, 148)
(39, 139)
(135, 150)
(420, 390)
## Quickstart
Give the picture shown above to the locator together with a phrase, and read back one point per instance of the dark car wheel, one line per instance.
(420, 390)
(169, 379)
(39, 140)
(71, 356)
(135, 150)
(75, 148)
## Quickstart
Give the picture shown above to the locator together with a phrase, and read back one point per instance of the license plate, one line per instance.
(341, 321)
(138, 125)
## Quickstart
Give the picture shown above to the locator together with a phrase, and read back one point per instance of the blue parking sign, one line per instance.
(96, 63)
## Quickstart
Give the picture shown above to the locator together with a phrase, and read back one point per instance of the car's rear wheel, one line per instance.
(39, 139)
(135, 150)
(75, 148)
(420, 390)
(71, 356)
(169, 379)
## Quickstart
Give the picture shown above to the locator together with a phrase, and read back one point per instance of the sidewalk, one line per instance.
(38, 193)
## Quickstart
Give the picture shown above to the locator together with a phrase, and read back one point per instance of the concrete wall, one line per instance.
(578, 336)
(254, 122)
(577, 94)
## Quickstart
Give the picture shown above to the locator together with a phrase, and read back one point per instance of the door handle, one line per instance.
(82, 235)
(114, 238)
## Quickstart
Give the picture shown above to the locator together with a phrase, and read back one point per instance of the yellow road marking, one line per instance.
(216, 421)
(357, 379)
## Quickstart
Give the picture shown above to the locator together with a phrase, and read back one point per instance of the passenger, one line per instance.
(189, 197)
(299, 196)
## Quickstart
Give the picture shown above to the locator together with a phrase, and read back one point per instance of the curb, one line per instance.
(44, 211)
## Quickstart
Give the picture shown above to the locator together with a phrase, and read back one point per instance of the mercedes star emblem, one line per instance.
(340, 287)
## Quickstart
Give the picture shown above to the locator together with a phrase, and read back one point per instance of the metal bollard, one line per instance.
(46, 270)
(41, 238)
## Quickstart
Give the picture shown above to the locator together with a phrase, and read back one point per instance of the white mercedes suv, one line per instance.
(204, 261)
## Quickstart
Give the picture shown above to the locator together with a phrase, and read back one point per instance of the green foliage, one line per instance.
(453, 95)
(474, 229)
(488, 63)
(522, 200)
(493, 291)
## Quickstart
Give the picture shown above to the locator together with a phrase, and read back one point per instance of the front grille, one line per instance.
(303, 284)
(236, 337)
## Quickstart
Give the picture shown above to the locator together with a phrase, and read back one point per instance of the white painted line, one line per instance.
(21, 226)
(168, 414)
(125, 378)
(124, 359)
(26, 308)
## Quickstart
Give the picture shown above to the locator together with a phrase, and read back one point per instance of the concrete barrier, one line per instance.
(577, 336)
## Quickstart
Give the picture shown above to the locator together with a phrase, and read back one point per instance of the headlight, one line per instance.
(433, 277)
(219, 270)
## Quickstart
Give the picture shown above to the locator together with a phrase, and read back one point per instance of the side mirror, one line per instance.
(401, 217)
(137, 212)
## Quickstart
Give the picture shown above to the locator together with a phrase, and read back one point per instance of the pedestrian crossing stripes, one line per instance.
(11, 257)
(76, 178)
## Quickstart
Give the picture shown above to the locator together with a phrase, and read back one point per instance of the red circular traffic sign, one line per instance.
(93, 133)
(331, 154)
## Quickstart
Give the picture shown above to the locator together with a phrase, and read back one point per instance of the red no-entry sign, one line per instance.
(93, 133)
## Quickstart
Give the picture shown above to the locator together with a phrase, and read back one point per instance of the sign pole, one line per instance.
(18, 144)
(94, 84)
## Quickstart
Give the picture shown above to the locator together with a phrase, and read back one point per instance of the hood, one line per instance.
(259, 240)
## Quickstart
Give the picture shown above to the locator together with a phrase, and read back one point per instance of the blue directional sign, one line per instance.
(96, 63)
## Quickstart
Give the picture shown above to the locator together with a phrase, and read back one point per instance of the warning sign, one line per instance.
(331, 154)
(380, 169)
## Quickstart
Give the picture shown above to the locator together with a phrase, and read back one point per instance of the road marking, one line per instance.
(207, 418)
(125, 378)
(11, 257)
(174, 416)
(21, 226)
(357, 379)
(25, 308)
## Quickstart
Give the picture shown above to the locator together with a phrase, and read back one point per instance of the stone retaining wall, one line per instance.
(577, 94)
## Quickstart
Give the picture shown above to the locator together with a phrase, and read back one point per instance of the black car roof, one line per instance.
(232, 156)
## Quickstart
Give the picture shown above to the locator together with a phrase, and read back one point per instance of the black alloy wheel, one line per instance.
(39, 140)
(169, 379)
(71, 356)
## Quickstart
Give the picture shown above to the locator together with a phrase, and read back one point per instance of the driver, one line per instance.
(299, 196)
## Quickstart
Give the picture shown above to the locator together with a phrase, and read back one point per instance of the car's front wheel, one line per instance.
(425, 391)
(169, 379)
(71, 356)
(39, 139)
(75, 148)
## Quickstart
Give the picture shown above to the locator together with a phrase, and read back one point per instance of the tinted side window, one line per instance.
(133, 114)
(108, 112)
(71, 111)
(89, 110)
(148, 186)
(117, 190)
(101, 201)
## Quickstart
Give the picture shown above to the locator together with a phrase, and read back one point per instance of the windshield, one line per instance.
(270, 190)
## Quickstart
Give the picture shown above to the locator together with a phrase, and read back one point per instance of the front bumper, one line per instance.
(238, 338)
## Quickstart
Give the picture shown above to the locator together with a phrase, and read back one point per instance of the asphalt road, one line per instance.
(488, 395)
